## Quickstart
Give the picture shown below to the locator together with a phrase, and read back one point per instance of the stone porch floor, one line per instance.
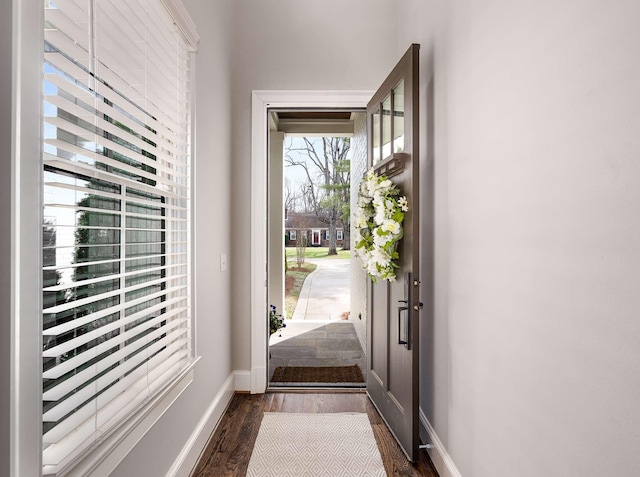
(316, 344)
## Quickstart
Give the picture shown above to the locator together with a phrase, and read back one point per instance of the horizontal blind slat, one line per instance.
(77, 361)
(59, 19)
(80, 131)
(83, 320)
(85, 301)
(76, 399)
(99, 158)
(89, 171)
(59, 452)
(90, 408)
(99, 122)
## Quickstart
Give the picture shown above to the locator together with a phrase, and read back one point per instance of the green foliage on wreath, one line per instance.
(378, 225)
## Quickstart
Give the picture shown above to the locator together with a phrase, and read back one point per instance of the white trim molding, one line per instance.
(197, 442)
(242, 381)
(183, 21)
(190, 455)
(261, 102)
(22, 233)
(437, 452)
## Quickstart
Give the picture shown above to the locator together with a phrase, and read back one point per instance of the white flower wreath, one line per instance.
(378, 225)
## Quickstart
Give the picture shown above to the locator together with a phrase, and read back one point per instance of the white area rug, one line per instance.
(300, 445)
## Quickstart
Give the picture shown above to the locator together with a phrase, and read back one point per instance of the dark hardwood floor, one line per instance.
(229, 449)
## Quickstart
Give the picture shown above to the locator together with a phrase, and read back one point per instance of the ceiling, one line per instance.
(313, 115)
(318, 122)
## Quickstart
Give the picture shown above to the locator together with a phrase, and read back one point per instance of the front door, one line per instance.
(393, 325)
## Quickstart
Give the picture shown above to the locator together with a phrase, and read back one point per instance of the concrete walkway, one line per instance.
(325, 294)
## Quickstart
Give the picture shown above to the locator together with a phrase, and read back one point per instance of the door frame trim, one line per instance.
(261, 101)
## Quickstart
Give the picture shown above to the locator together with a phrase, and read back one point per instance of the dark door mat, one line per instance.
(318, 374)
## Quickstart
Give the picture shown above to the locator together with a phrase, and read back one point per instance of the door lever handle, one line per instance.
(403, 340)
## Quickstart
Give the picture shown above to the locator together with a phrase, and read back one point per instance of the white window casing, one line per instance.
(117, 324)
(316, 237)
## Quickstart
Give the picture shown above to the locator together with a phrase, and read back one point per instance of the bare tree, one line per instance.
(301, 246)
(300, 223)
(307, 197)
(328, 177)
(299, 196)
(291, 197)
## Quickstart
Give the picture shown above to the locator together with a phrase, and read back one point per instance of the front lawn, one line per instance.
(293, 280)
(315, 252)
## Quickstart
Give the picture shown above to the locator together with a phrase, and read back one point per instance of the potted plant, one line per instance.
(276, 321)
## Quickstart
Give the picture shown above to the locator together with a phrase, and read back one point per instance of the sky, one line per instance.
(296, 174)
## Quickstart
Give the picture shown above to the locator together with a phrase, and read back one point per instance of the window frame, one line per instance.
(27, 266)
(24, 241)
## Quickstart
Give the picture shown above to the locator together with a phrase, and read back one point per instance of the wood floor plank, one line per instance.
(310, 403)
(229, 449)
(292, 402)
(276, 402)
(325, 402)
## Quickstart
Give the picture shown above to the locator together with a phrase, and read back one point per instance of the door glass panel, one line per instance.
(398, 117)
(386, 127)
(376, 137)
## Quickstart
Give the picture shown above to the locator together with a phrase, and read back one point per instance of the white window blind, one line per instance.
(116, 232)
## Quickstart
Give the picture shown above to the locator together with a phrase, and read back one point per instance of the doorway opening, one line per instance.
(393, 340)
(316, 288)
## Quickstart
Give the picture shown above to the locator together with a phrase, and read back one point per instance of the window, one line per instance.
(326, 235)
(339, 235)
(292, 234)
(116, 232)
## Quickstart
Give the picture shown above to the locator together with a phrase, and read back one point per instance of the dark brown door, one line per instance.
(393, 325)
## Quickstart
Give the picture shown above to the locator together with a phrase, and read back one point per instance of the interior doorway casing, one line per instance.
(262, 101)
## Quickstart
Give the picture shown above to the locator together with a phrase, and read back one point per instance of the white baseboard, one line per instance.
(242, 380)
(258, 380)
(438, 453)
(188, 457)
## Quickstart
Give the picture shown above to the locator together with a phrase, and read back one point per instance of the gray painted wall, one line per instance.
(531, 236)
(6, 93)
